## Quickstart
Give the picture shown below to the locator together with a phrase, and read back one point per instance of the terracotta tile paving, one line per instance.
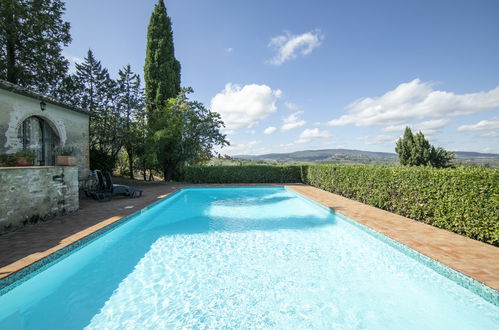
(32, 243)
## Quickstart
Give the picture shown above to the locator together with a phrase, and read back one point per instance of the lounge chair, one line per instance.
(101, 192)
(118, 189)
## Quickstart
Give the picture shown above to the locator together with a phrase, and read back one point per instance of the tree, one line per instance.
(416, 150)
(190, 133)
(32, 34)
(161, 69)
(98, 93)
(131, 104)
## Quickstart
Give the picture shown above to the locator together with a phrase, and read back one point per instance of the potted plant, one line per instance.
(7, 160)
(64, 156)
(25, 158)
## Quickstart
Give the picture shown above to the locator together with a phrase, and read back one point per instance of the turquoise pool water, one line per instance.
(241, 258)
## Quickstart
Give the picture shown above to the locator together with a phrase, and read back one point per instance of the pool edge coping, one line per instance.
(23, 274)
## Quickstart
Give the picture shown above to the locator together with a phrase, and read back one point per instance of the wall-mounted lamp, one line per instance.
(43, 105)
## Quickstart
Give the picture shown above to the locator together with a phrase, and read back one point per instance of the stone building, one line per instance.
(34, 122)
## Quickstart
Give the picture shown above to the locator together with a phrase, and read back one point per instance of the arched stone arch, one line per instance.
(13, 143)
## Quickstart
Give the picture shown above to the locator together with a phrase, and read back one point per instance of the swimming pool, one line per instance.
(245, 257)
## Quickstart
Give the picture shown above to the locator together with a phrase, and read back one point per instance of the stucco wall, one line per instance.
(70, 126)
(37, 193)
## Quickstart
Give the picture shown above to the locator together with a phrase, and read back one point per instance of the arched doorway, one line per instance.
(36, 134)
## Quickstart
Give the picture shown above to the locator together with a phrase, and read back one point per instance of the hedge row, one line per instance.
(464, 200)
(242, 174)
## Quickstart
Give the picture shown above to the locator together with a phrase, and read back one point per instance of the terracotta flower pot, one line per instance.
(65, 161)
(23, 161)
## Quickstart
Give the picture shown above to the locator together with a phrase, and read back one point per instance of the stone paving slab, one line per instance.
(478, 260)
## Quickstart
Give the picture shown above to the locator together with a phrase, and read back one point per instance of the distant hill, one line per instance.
(348, 156)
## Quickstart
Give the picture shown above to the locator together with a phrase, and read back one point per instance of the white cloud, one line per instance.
(484, 125)
(380, 139)
(230, 132)
(293, 121)
(415, 100)
(245, 106)
(428, 127)
(288, 46)
(250, 148)
(490, 134)
(490, 150)
(229, 50)
(312, 134)
(270, 130)
(291, 106)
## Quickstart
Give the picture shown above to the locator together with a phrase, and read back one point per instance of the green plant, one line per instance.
(99, 160)
(241, 174)
(29, 155)
(464, 200)
(65, 151)
(7, 160)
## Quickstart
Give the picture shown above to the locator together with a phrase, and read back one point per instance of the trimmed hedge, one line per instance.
(242, 174)
(464, 200)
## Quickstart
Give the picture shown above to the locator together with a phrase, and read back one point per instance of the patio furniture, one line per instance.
(118, 189)
(102, 192)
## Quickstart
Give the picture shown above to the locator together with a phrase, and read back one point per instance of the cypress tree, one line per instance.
(161, 69)
(416, 150)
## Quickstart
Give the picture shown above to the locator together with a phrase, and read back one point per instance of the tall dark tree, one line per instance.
(98, 90)
(68, 90)
(131, 104)
(98, 93)
(32, 34)
(161, 69)
(416, 150)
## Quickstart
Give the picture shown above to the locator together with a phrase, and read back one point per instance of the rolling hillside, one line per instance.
(347, 156)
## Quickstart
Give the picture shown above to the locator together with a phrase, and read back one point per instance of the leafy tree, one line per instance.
(416, 150)
(98, 93)
(190, 133)
(32, 34)
(130, 101)
(440, 157)
(161, 69)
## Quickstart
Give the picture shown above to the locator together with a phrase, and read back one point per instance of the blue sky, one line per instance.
(295, 75)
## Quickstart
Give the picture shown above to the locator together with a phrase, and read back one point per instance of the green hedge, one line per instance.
(464, 200)
(242, 174)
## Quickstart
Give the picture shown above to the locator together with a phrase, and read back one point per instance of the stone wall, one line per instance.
(36, 193)
(70, 126)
